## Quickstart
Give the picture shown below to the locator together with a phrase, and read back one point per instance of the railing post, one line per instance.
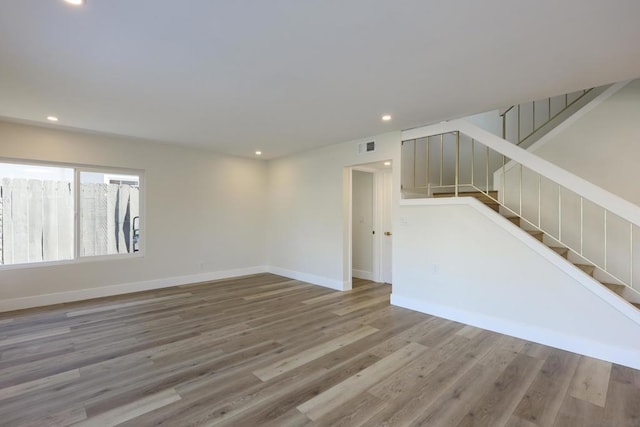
(457, 161)
(631, 255)
(581, 225)
(504, 125)
(487, 170)
(605, 239)
(518, 141)
(415, 143)
(534, 117)
(426, 178)
(473, 160)
(539, 200)
(520, 200)
(559, 213)
(441, 156)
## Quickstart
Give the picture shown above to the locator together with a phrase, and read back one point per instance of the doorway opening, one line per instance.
(370, 234)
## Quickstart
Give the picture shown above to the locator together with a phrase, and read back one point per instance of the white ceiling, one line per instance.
(288, 75)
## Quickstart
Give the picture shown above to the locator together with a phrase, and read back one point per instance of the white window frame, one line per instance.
(77, 170)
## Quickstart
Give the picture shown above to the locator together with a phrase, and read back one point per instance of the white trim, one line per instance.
(361, 274)
(347, 226)
(124, 288)
(81, 260)
(524, 331)
(543, 250)
(311, 278)
(377, 227)
(581, 187)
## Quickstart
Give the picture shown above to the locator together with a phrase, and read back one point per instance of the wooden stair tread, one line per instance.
(618, 289)
(560, 250)
(537, 234)
(484, 198)
(589, 269)
(466, 194)
(636, 305)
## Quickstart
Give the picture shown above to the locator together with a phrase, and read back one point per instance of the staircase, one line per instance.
(490, 199)
(590, 291)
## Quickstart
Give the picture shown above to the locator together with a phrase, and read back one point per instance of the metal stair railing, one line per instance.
(527, 111)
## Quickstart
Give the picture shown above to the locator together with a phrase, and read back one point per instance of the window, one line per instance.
(109, 213)
(55, 213)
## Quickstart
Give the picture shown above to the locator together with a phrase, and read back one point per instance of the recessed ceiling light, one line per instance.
(258, 153)
(386, 118)
(52, 119)
(75, 2)
(387, 163)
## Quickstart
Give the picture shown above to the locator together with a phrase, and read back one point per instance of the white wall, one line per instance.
(362, 225)
(308, 209)
(463, 262)
(205, 213)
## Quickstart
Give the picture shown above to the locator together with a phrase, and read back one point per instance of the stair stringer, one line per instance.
(415, 287)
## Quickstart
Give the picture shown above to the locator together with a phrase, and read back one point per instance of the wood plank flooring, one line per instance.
(263, 350)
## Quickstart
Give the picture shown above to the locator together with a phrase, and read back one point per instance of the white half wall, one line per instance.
(459, 260)
(308, 209)
(204, 216)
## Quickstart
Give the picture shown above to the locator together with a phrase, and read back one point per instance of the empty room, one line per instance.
(319, 213)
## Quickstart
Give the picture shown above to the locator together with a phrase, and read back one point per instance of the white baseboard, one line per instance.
(361, 274)
(310, 278)
(524, 331)
(124, 288)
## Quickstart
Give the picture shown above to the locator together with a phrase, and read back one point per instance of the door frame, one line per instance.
(378, 183)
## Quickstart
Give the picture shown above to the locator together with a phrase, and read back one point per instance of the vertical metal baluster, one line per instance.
(631, 254)
(415, 143)
(605, 240)
(504, 125)
(487, 170)
(457, 177)
(504, 180)
(566, 100)
(581, 225)
(441, 156)
(520, 201)
(559, 214)
(549, 109)
(539, 200)
(518, 141)
(473, 161)
(426, 178)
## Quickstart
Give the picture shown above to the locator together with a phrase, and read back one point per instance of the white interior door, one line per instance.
(387, 234)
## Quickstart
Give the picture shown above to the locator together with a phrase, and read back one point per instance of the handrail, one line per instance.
(518, 107)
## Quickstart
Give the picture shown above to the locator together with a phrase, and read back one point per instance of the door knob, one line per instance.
(387, 233)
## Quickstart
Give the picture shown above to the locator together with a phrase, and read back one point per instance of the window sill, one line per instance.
(81, 260)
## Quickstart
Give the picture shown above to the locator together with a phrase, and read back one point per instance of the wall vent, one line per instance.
(366, 147)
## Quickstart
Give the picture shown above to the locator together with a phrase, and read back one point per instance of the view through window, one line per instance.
(109, 213)
(37, 213)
